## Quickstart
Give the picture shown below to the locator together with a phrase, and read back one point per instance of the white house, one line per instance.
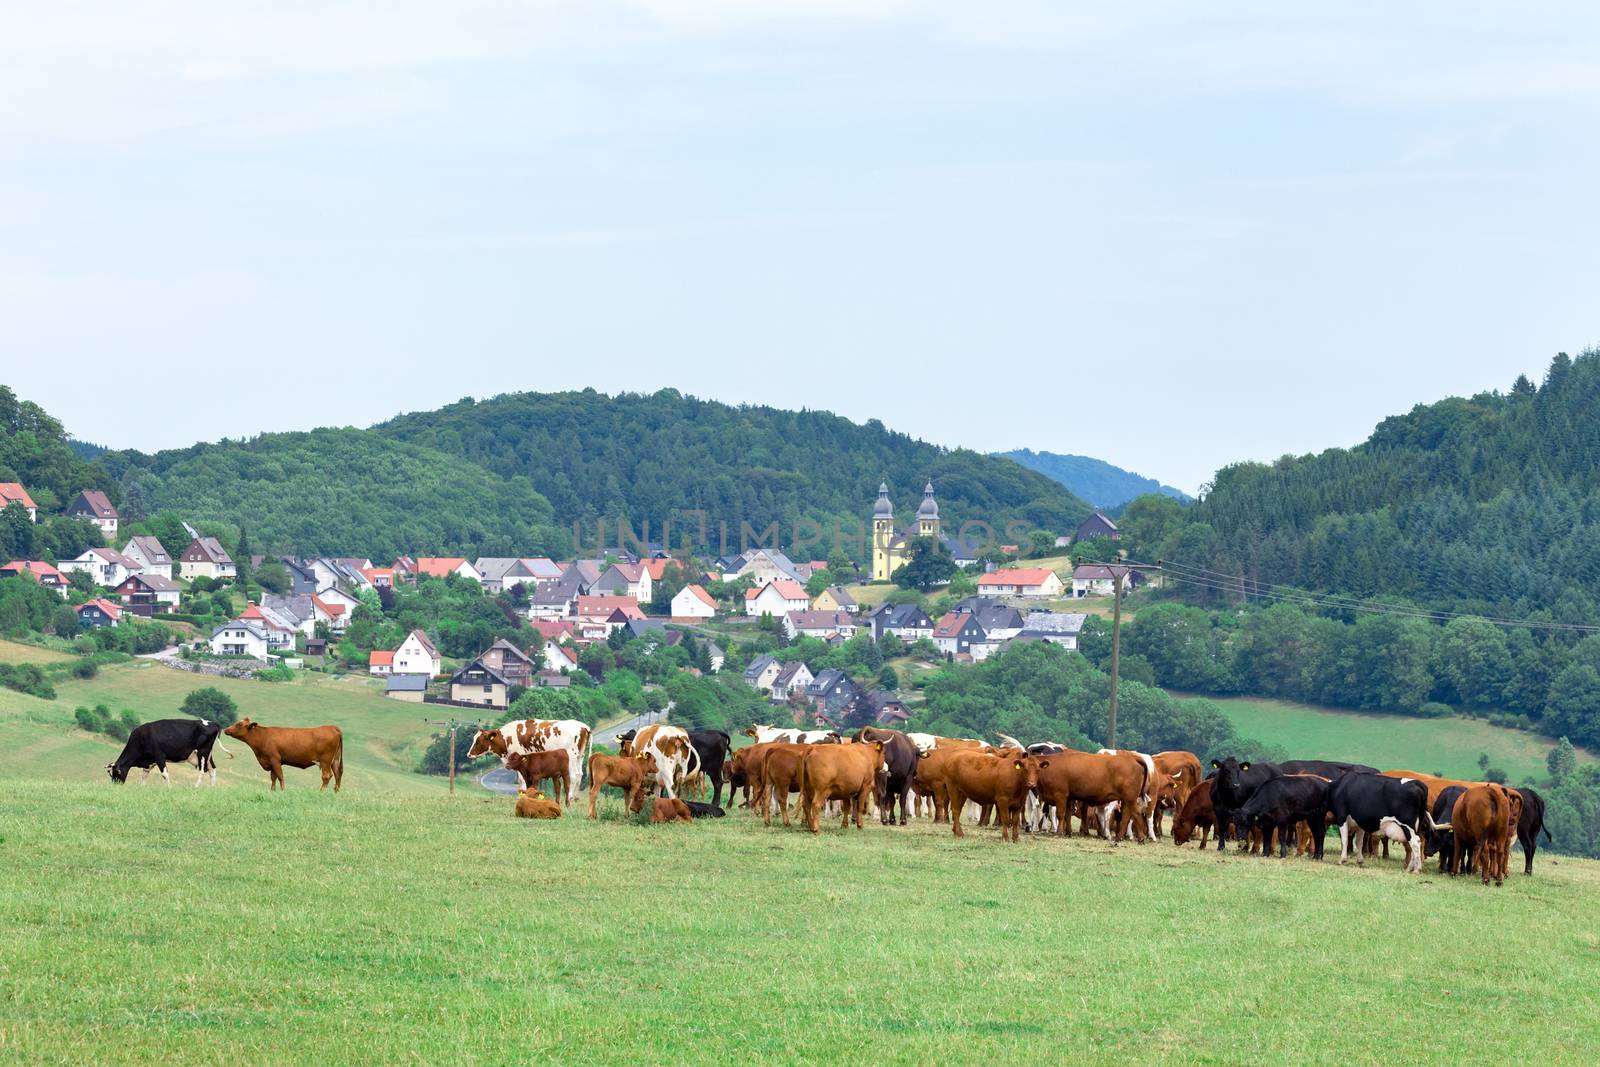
(279, 628)
(93, 505)
(776, 599)
(792, 678)
(444, 566)
(240, 637)
(380, 662)
(693, 602)
(416, 655)
(205, 558)
(765, 565)
(820, 624)
(333, 595)
(149, 555)
(557, 658)
(626, 579)
(1094, 579)
(13, 493)
(106, 566)
(330, 610)
(1057, 628)
(1038, 582)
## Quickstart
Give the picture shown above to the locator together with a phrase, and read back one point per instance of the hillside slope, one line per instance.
(1102, 484)
(345, 491)
(664, 455)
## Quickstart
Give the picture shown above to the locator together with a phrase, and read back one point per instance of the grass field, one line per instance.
(16, 652)
(142, 924)
(1449, 745)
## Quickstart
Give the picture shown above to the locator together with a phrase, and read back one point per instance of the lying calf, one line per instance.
(664, 809)
(536, 805)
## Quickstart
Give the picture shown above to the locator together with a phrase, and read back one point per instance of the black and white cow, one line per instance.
(1360, 802)
(156, 744)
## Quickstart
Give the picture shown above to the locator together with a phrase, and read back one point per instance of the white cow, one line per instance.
(525, 736)
(795, 737)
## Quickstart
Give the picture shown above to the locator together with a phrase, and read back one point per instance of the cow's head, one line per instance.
(486, 741)
(1029, 767)
(1228, 772)
(241, 728)
(118, 773)
(755, 731)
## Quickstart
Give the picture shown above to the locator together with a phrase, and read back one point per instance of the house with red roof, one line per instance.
(776, 598)
(330, 611)
(42, 572)
(444, 566)
(13, 493)
(692, 604)
(94, 614)
(1038, 582)
(380, 662)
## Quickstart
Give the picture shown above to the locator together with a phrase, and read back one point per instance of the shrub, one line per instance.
(116, 729)
(26, 678)
(1433, 710)
(211, 703)
(280, 673)
(91, 719)
(85, 668)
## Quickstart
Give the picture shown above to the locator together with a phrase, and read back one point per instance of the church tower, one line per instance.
(928, 514)
(882, 534)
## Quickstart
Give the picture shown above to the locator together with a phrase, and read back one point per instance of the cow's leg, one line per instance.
(165, 777)
(1219, 818)
(1319, 830)
(1529, 847)
(957, 802)
(594, 795)
(326, 767)
(1360, 846)
(276, 771)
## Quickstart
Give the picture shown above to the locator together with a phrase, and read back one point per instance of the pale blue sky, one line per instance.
(1277, 226)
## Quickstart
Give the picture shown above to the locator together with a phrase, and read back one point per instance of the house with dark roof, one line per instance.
(513, 664)
(554, 600)
(106, 566)
(626, 579)
(835, 598)
(412, 688)
(95, 506)
(823, 624)
(1057, 627)
(205, 558)
(906, 621)
(1096, 579)
(791, 678)
(831, 692)
(479, 683)
(502, 572)
(882, 707)
(151, 556)
(149, 593)
(960, 634)
(1097, 525)
(761, 673)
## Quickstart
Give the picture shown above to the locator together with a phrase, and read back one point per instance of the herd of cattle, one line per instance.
(1039, 788)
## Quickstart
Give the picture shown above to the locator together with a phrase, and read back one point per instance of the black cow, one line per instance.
(1360, 802)
(900, 757)
(1329, 769)
(713, 748)
(1283, 803)
(1442, 841)
(1236, 783)
(1529, 827)
(164, 741)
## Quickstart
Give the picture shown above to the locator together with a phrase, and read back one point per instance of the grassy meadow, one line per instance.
(1449, 746)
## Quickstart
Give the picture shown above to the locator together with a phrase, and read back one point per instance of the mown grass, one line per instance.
(1450, 746)
(142, 924)
(18, 652)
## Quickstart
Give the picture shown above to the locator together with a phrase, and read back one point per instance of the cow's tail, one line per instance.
(218, 744)
(1546, 831)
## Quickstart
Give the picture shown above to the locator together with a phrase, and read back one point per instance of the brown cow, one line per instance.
(1097, 779)
(532, 804)
(846, 773)
(664, 809)
(776, 775)
(1003, 781)
(1479, 821)
(1196, 814)
(277, 747)
(622, 772)
(929, 779)
(1177, 774)
(536, 767)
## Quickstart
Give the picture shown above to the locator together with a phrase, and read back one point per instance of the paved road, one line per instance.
(504, 781)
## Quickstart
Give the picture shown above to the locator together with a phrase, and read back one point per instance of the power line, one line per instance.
(1205, 578)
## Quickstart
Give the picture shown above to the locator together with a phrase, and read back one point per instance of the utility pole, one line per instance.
(452, 724)
(1119, 575)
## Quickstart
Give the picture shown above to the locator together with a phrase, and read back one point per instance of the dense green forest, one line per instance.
(662, 456)
(343, 492)
(1100, 483)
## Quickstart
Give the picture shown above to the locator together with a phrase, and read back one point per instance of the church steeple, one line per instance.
(928, 514)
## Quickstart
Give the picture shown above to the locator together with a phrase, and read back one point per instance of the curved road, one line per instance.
(504, 781)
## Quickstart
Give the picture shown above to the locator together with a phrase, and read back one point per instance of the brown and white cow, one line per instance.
(669, 751)
(765, 732)
(277, 747)
(538, 735)
(1177, 774)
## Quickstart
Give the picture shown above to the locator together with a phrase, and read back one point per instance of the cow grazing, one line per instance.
(532, 804)
(1359, 802)
(1529, 826)
(669, 750)
(1235, 783)
(163, 741)
(794, 737)
(713, 748)
(664, 809)
(846, 773)
(1480, 820)
(536, 767)
(277, 747)
(1439, 838)
(538, 735)
(1196, 814)
(1177, 775)
(1003, 781)
(1281, 804)
(900, 759)
(621, 772)
(1098, 779)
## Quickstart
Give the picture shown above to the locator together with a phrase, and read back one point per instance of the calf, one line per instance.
(1360, 802)
(900, 759)
(532, 804)
(164, 741)
(1196, 813)
(846, 773)
(621, 772)
(1282, 803)
(1235, 783)
(664, 809)
(1003, 781)
(536, 767)
(522, 736)
(1528, 826)
(277, 747)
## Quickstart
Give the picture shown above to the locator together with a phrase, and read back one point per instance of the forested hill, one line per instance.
(347, 491)
(1100, 483)
(1489, 504)
(660, 456)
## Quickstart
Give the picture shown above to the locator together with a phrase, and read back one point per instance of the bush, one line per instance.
(211, 703)
(92, 719)
(116, 729)
(436, 759)
(280, 673)
(1434, 710)
(85, 668)
(27, 678)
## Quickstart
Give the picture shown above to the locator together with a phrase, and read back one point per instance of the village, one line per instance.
(288, 612)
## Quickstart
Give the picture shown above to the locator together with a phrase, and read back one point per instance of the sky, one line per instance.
(1170, 236)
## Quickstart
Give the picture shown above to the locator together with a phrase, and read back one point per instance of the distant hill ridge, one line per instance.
(1102, 484)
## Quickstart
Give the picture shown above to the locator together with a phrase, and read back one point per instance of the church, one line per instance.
(889, 549)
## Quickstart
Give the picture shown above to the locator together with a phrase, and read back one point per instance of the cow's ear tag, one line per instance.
(1019, 765)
